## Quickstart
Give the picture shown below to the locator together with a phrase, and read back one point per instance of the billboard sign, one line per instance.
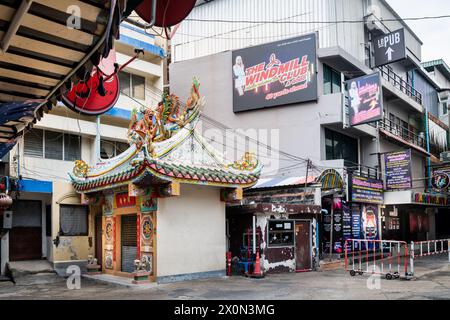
(440, 179)
(365, 99)
(366, 190)
(398, 170)
(389, 48)
(274, 74)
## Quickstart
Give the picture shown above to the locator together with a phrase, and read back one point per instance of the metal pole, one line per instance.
(254, 234)
(97, 139)
(306, 180)
(331, 232)
(448, 249)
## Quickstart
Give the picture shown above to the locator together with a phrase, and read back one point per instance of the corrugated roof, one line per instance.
(440, 64)
(282, 182)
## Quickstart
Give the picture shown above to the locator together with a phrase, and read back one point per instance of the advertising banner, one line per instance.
(365, 99)
(440, 179)
(366, 190)
(398, 170)
(274, 74)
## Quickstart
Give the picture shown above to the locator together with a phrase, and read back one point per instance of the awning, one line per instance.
(14, 118)
(282, 182)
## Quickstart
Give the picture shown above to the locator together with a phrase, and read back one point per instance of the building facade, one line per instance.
(318, 128)
(49, 220)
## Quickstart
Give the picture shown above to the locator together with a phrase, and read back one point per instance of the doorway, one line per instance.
(25, 237)
(128, 242)
(98, 239)
(303, 245)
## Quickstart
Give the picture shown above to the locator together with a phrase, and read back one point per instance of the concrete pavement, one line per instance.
(432, 283)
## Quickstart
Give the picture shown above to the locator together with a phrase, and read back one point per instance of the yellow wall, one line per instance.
(74, 247)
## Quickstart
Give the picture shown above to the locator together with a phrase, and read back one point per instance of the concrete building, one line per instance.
(49, 220)
(318, 129)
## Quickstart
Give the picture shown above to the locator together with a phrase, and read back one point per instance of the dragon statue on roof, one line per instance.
(161, 123)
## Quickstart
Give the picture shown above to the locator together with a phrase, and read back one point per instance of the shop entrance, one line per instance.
(25, 238)
(303, 245)
(128, 242)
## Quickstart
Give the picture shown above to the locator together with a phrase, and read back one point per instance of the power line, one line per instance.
(317, 21)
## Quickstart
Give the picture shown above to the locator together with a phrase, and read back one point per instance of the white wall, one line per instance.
(191, 232)
(195, 39)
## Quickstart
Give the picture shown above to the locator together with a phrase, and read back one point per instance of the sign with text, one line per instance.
(366, 190)
(389, 48)
(365, 99)
(274, 74)
(398, 170)
(440, 179)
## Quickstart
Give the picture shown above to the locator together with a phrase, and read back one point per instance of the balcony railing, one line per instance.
(401, 84)
(404, 133)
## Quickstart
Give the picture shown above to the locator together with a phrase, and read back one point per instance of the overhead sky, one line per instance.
(435, 34)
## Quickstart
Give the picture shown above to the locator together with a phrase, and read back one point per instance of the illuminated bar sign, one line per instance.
(274, 74)
(365, 99)
(366, 190)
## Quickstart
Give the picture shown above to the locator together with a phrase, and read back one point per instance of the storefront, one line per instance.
(161, 203)
(286, 235)
(284, 221)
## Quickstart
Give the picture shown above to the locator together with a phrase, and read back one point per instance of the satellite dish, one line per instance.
(98, 93)
(168, 12)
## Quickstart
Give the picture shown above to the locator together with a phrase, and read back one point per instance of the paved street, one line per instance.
(433, 283)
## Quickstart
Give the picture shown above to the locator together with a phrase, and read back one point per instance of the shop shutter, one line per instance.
(129, 242)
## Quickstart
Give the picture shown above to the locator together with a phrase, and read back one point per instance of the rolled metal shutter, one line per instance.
(128, 242)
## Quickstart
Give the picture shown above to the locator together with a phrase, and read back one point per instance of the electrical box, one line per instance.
(7, 220)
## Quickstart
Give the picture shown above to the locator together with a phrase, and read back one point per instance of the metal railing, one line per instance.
(402, 132)
(400, 84)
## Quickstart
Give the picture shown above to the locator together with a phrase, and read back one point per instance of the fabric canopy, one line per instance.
(14, 118)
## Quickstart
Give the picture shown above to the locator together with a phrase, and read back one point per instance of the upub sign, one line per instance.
(389, 48)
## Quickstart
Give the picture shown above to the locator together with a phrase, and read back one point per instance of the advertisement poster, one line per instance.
(398, 170)
(369, 222)
(274, 74)
(440, 179)
(346, 223)
(337, 228)
(326, 231)
(365, 99)
(366, 190)
(356, 223)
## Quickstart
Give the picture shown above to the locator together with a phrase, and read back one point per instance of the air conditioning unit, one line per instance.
(445, 156)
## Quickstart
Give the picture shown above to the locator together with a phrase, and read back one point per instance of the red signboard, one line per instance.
(123, 200)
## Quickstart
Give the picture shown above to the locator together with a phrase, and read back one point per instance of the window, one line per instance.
(281, 233)
(34, 143)
(52, 145)
(444, 108)
(73, 220)
(110, 149)
(339, 146)
(331, 80)
(132, 85)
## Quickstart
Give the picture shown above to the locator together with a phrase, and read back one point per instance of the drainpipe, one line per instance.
(15, 24)
(254, 234)
(427, 133)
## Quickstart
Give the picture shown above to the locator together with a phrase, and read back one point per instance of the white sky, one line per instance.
(435, 34)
